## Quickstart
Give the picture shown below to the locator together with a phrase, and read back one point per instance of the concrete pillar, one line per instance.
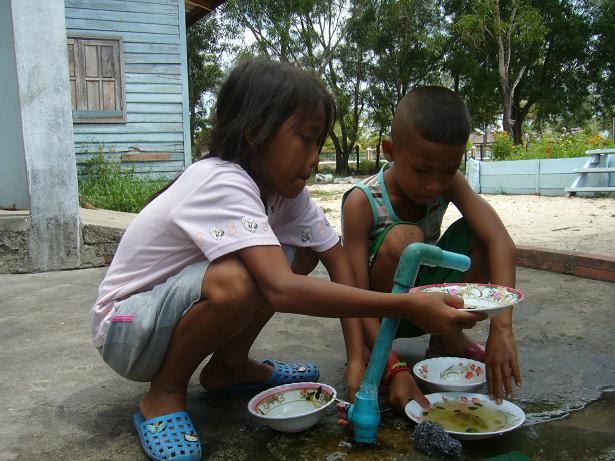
(473, 174)
(39, 34)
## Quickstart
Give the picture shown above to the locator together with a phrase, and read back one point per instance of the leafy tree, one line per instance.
(557, 81)
(310, 33)
(473, 70)
(205, 47)
(405, 41)
(511, 26)
(602, 66)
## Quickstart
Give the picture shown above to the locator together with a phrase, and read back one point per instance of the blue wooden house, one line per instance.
(129, 80)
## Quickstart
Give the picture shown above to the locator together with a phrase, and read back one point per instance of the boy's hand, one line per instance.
(354, 374)
(403, 389)
(442, 313)
(501, 363)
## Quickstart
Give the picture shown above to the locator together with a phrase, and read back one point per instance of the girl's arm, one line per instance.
(340, 271)
(489, 229)
(436, 313)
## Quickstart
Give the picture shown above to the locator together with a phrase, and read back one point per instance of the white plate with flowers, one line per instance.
(478, 297)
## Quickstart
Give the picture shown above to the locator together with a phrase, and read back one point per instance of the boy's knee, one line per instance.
(228, 284)
(398, 238)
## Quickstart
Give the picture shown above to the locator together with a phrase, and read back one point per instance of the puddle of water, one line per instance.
(586, 434)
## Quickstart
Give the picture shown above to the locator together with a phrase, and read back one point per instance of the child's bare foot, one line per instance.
(161, 403)
(456, 345)
(219, 374)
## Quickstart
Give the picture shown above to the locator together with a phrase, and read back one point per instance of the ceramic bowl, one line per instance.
(504, 417)
(450, 374)
(292, 407)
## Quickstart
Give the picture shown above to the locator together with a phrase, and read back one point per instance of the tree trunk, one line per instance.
(507, 108)
(378, 148)
(341, 164)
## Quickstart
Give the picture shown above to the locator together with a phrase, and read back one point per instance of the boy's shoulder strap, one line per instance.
(367, 190)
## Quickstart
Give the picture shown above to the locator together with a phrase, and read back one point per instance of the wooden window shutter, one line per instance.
(97, 66)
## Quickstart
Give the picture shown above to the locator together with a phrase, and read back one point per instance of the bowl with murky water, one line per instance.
(467, 415)
(292, 407)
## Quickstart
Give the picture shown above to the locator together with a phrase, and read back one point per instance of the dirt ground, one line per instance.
(557, 223)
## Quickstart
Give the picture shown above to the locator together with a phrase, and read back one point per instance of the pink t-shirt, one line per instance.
(213, 209)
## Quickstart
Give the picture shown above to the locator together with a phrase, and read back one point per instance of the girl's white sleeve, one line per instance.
(300, 222)
(223, 214)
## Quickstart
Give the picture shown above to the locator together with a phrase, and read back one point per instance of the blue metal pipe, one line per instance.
(363, 414)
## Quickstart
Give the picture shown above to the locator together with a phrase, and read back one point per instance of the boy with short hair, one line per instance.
(405, 203)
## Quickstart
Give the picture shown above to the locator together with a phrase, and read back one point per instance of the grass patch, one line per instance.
(105, 184)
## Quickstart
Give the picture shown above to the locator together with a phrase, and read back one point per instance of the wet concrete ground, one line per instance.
(60, 401)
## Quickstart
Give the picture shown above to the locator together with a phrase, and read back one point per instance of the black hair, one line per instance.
(255, 99)
(438, 114)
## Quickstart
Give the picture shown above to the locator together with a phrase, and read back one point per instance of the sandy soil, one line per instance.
(557, 223)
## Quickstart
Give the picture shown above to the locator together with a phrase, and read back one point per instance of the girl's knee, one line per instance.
(228, 283)
(304, 261)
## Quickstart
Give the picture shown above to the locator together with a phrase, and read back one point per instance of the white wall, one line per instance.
(13, 184)
(540, 177)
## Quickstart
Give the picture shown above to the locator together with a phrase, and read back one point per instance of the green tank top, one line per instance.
(384, 215)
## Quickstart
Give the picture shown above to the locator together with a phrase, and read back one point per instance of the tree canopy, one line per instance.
(517, 63)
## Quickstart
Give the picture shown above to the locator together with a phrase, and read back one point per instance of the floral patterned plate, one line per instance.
(292, 407)
(450, 374)
(478, 297)
(468, 416)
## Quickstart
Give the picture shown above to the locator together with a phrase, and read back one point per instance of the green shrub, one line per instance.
(367, 167)
(503, 148)
(105, 184)
(555, 145)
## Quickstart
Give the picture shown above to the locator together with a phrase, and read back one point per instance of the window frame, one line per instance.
(97, 116)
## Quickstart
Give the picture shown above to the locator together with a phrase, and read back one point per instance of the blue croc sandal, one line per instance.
(168, 438)
(283, 373)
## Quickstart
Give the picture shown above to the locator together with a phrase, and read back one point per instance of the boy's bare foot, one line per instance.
(456, 345)
(219, 374)
(161, 403)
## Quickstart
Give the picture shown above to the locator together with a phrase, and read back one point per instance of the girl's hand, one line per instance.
(442, 313)
(501, 364)
(354, 374)
(403, 389)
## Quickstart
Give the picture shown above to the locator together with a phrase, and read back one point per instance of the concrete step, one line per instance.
(595, 170)
(590, 189)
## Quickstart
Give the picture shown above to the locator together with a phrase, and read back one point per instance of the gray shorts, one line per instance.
(135, 347)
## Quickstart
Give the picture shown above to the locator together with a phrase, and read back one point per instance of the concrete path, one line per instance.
(59, 401)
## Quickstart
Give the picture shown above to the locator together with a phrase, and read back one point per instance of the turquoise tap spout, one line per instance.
(363, 414)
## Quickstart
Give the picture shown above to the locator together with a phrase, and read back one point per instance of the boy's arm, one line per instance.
(489, 229)
(357, 222)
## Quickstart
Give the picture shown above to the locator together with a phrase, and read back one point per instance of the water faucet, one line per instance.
(363, 414)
